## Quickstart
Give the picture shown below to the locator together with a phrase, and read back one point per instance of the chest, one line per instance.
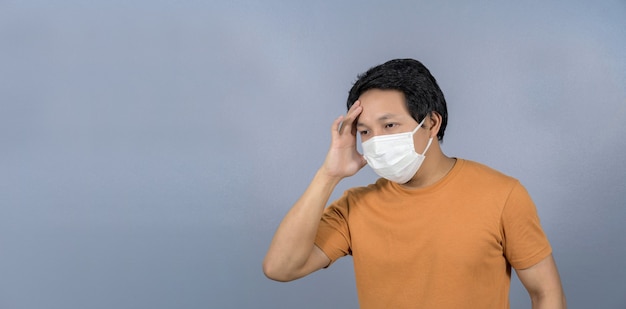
(459, 232)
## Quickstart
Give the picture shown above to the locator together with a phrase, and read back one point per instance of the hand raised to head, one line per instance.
(343, 159)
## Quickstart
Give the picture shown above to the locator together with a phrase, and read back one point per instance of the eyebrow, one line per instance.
(380, 119)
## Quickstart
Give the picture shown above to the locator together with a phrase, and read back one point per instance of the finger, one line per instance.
(336, 126)
(357, 104)
(348, 124)
(355, 109)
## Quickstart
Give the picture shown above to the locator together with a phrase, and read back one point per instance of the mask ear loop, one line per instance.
(430, 140)
(419, 125)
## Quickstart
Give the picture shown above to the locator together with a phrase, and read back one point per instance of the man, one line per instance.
(434, 231)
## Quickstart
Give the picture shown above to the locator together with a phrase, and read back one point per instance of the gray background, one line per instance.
(150, 148)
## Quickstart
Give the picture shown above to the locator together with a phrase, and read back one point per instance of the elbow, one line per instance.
(275, 272)
(550, 299)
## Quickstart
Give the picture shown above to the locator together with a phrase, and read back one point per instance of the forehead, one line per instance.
(380, 105)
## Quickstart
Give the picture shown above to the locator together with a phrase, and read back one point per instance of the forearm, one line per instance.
(294, 239)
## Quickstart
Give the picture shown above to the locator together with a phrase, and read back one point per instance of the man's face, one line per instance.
(385, 112)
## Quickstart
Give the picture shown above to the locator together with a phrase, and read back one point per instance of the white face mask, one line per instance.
(393, 156)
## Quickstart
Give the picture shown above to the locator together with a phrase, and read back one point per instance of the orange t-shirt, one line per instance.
(449, 245)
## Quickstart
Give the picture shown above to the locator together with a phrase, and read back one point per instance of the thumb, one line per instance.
(363, 162)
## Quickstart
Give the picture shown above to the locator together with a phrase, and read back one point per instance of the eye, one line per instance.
(390, 125)
(364, 132)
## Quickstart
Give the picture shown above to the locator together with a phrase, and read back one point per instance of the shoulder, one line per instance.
(482, 171)
(480, 177)
(357, 195)
(380, 185)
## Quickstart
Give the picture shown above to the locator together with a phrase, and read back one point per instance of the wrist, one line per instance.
(324, 176)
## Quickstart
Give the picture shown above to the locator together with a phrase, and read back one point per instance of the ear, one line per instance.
(433, 123)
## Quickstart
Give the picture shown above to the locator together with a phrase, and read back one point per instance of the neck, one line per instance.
(435, 166)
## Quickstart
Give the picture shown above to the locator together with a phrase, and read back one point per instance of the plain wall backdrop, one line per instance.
(149, 149)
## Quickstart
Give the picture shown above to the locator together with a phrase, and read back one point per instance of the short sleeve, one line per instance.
(333, 233)
(525, 243)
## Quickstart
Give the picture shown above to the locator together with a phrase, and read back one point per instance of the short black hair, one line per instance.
(411, 77)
